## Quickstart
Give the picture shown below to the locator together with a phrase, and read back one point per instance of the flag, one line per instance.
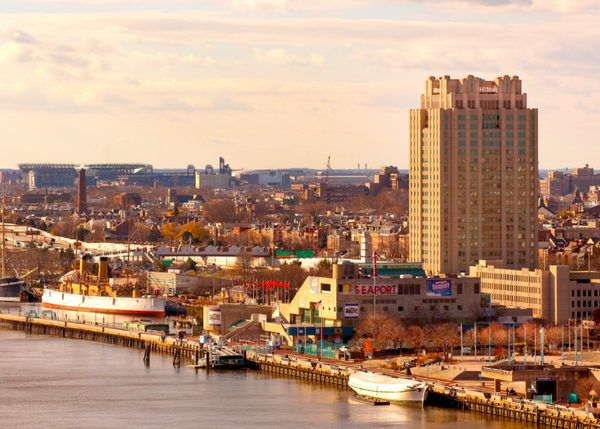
(318, 304)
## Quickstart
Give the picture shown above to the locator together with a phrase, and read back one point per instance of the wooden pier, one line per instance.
(150, 342)
(541, 414)
(289, 367)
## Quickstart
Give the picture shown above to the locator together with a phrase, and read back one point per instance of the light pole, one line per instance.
(461, 343)
(374, 282)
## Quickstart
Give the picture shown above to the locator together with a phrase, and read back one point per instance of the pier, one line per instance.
(518, 409)
(156, 342)
(316, 372)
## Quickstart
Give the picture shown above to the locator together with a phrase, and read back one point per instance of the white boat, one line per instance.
(79, 290)
(395, 390)
(104, 304)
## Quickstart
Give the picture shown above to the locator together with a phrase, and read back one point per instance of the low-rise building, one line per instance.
(555, 295)
(350, 295)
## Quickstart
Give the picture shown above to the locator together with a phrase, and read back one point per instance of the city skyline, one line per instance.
(177, 83)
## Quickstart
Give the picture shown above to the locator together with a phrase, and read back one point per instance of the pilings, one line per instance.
(138, 340)
(288, 368)
(546, 415)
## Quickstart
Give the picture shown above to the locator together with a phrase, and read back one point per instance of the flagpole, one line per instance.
(475, 341)
(576, 348)
(374, 281)
(562, 345)
(525, 328)
(542, 341)
(461, 342)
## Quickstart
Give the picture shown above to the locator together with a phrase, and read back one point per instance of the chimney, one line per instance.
(103, 268)
(82, 266)
(81, 193)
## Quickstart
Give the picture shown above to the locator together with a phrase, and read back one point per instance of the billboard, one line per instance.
(439, 287)
(351, 311)
(214, 317)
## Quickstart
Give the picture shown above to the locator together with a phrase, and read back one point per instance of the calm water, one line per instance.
(51, 382)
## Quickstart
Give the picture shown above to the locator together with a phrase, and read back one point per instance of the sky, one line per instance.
(279, 83)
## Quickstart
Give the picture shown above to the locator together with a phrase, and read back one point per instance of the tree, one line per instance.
(416, 338)
(323, 269)
(584, 387)
(243, 264)
(195, 231)
(170, 231)
(314, 210)
(444, 336)
(224, 211)
(387, 332)
(498, 335)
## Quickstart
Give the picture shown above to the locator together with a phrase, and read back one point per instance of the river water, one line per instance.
(53, 382)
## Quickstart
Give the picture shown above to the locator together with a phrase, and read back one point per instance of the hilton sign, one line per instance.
(488, 88)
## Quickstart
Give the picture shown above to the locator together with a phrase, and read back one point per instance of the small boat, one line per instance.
(394, 390)
(11, 288)
(222, 358)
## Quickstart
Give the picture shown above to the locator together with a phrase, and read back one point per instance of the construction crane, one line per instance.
(327, 171)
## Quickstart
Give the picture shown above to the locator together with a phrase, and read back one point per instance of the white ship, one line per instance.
(82, 291)
(395, 390)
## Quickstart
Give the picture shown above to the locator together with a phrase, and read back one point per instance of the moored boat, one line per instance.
(11, 288)
(80, 290)
(395, 390)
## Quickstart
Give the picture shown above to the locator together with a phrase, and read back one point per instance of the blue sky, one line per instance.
(278, 83)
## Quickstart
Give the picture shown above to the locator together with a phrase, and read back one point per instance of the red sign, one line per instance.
(376, 290)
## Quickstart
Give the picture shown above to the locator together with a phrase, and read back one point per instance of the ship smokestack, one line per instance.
(103, 268)
(82, 266)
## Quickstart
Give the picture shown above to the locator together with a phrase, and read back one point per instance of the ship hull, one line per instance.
(103, 304)
(10, 290)
(396, 391)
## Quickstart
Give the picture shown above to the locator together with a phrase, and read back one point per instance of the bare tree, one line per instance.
(222, 211)
(584, 387)
(444, 336)
(386, 331)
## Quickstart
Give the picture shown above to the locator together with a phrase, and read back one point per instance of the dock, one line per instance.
(311, 370)
(153, 341)
(512, 408)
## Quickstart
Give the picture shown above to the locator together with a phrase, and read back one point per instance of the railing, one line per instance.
(35, 315)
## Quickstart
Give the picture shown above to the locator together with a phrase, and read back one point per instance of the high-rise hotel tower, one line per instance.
(473, 175)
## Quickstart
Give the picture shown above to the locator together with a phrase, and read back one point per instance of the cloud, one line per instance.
(13, 52)
(17, 35)
(282, 57)
(170, 58)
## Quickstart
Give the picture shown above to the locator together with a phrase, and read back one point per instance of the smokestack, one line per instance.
(82, 266)
(81, 193)
(103, 268)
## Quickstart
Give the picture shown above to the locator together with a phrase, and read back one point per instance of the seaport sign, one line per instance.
(376, 289)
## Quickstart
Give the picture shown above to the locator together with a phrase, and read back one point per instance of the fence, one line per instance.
(329, 349)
